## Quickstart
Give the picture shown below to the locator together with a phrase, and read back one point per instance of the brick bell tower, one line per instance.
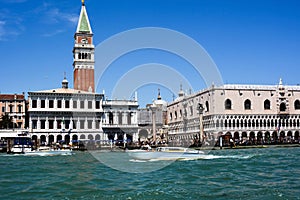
(83, 53)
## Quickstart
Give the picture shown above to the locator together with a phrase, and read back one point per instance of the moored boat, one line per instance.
(21, 144)
(47, 151)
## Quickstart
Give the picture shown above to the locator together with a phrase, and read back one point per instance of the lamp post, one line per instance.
(200, 110)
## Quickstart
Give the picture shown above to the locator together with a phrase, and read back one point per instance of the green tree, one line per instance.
(6, 122)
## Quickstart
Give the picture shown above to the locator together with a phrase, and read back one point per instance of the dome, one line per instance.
(161, 103)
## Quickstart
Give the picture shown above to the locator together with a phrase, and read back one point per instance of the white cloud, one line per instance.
(11, 24)
(55, 15)
(53, 33)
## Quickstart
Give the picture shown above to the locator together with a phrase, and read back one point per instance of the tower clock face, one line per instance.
(84, 40)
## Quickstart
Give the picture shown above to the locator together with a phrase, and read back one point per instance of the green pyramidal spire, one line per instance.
(83, 22)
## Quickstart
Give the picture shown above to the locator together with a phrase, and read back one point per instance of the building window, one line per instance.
(67, 124)
(97, 124)
(170, 116)
(191, 111)
(43, 124)
(267, 104)
(247, 104)
(90, 124)
(43, 104)
(34, 103)
(282, 107)
(97, 104)
(58, 103)
(82, 124)
(67, 104)
(297, 105)
(82, 104)
(129, 118)
(120, 118)
(51, 103)
(3, 109)
(74, 124)
(175, 114)
(207, 106)
(74, 104)
(19, 108)
(111, 118)
(51, 124)
(10, 108)
(59, 124)
(90, 104)
(228, 104)
(34, 124)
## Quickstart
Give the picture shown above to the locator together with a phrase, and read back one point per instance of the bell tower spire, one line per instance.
(83, 53)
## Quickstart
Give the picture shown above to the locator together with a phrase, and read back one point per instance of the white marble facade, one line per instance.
(248, 113)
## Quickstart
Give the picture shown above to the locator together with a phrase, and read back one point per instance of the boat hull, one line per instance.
(166, 155)
(49, 153)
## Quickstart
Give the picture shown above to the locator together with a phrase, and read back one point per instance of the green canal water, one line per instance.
(269, 173)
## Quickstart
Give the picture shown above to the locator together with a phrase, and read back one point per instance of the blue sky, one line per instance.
(251, 42)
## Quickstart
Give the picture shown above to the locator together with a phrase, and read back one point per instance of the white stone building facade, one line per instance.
(65, 115)
(255, 114)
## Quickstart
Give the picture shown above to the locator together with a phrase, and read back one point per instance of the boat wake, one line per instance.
(38, 154)
(199, 157)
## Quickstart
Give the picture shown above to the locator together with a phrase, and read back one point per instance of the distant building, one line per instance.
(14, 105)
(156, 111)
(120, 120)
(65, 114)
(254, 114)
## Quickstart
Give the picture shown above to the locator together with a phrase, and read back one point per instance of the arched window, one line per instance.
(297, 104)
(282, 107)
(175, 115)
(170, 116)
(247, 104)
(267, 104)
(228, 104)
(207, 106)
(191, 110)
(79, 56)
(111, 118)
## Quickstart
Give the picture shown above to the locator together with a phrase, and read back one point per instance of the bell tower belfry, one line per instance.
(83, 54)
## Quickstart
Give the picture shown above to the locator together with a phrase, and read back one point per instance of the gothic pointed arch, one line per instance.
(228, 104)
(247, 104)
(267, 104)
(282, 107)
(297, 104)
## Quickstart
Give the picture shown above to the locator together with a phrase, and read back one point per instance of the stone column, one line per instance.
(30, 124)
(94, 124)
(55, 124)
(154, 109)
(47, 123)
(115, 118)
(38, 125)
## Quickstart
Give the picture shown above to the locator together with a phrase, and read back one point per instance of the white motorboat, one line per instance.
(143, 148)
(47, 151)
(167, 153)
(21, 144)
